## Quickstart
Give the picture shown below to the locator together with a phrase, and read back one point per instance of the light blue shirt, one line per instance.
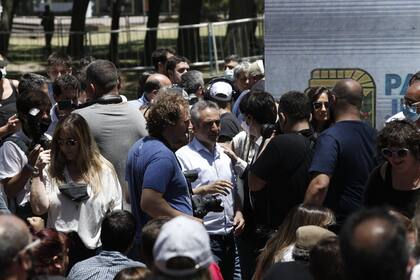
(138, 103)
(236, 110)
(103, 266)
(211, 166)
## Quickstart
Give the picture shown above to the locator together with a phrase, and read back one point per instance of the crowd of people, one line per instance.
(196, 180)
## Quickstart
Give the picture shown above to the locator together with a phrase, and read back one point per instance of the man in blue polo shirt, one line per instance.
(155, 179)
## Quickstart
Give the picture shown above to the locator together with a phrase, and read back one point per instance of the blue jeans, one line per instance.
(226, 256)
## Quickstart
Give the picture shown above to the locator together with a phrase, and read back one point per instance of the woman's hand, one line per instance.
(44, 158)
(13, 124)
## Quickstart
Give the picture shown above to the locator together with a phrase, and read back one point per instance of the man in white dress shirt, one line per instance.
(215, 177)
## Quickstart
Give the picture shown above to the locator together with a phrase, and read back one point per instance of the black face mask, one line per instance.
(35, 127)
(75, 192)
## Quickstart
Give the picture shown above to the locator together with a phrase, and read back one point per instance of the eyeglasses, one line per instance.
(68, 142)
(319, 104)
(401, 153)
(210, 123)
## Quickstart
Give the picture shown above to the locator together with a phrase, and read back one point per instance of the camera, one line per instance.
(202, 205)
(43, 141)
(191, 175)
(35, 127)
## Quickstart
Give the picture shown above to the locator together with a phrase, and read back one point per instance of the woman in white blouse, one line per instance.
(77, 187)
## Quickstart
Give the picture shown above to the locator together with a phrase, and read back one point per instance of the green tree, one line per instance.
(240, 38)
(6, 23)
(188, 43)
(115, 25)
(150, 41)
(77, 29)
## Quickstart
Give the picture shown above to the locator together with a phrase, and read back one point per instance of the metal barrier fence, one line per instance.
(215, 41)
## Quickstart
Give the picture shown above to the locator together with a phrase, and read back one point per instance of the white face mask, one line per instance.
(3, 73)
(245, 127)
(229, 74)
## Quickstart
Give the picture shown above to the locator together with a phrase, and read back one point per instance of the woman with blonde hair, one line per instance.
(280, 246)
(77, 187)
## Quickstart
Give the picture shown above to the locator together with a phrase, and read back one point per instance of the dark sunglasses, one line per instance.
(318, 105)
(401, 153)
(67, 142)
(210, 123)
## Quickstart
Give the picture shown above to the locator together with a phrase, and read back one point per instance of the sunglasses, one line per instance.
(210, 123)
(68, 142)
(319, 104)
(401, 153)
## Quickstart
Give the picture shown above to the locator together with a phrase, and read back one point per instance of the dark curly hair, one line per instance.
(400, 133)
(165, 111)
(313, 93)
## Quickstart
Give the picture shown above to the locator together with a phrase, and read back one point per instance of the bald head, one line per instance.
(155, 82)
(14, 236)
(371, 233)
(348, 92)
(374, 246)
(413, 92)
(161, 79)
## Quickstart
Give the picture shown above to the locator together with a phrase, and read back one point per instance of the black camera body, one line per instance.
(43, 141)
(191, 176)
(202, 205)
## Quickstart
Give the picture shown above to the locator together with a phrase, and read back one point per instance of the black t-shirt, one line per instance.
(347, 153)
(8, 106)
(284, 166)
(229, 127)
(379, 192)
(288, 271)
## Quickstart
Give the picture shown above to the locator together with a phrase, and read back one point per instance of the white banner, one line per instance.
(311, 43)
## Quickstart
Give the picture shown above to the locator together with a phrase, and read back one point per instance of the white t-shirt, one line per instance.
(415, 274)
(85, 217)
(12, 161)
(398, 116)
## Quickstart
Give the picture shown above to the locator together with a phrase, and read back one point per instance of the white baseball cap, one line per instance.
(182, 237)
(221, 91)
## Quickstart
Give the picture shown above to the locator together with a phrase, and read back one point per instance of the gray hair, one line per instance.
(242, 67)
(192, 80)
(13, 238)
(201, 106)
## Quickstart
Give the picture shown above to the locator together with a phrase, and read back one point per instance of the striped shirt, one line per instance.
(103, 266)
